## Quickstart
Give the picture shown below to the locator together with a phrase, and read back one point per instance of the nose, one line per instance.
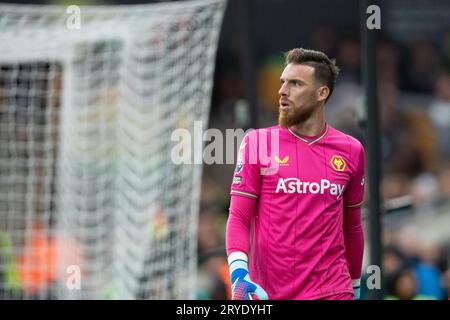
(283, 90)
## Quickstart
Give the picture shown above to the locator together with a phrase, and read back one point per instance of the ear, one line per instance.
(322, 93)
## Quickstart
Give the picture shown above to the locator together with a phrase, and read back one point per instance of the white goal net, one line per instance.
(91, 205)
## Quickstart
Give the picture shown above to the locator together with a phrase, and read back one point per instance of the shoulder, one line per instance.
(272, 129)
(255, 135)
(346, 140)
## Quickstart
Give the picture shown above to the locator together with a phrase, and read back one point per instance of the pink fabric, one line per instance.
(339, 296)
(300, 233)
(238, 225)
(354, 241)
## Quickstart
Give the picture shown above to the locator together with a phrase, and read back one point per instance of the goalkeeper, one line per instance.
(294, 229)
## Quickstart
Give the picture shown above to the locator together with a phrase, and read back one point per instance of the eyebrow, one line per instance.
(291, 80)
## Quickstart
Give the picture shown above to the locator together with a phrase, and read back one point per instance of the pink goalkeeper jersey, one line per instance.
(301, 185)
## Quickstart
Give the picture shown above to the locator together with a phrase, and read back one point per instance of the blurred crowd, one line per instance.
(414, 110)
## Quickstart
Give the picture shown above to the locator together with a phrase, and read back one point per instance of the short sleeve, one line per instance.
(246, 177)
(354, 193)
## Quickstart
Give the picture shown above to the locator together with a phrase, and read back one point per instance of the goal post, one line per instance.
(91, 205)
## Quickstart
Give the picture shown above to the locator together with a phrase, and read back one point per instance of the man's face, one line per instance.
(298, 94)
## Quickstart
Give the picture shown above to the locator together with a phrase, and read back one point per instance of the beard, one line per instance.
(295, 115)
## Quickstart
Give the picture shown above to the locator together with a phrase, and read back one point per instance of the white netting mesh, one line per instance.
(86, 118)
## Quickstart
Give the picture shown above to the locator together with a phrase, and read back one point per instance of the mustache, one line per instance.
(295, 116)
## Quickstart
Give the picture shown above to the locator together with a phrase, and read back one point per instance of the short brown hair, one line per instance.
(325, 69)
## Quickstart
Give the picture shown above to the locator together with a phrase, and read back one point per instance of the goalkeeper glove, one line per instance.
(356, 284)
(242, 286)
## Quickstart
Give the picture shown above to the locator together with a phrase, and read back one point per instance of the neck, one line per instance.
(311, 126)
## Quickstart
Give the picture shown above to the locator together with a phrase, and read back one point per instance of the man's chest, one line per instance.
(307, 172)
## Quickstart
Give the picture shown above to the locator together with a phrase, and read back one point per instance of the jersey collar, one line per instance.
(311, 140)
